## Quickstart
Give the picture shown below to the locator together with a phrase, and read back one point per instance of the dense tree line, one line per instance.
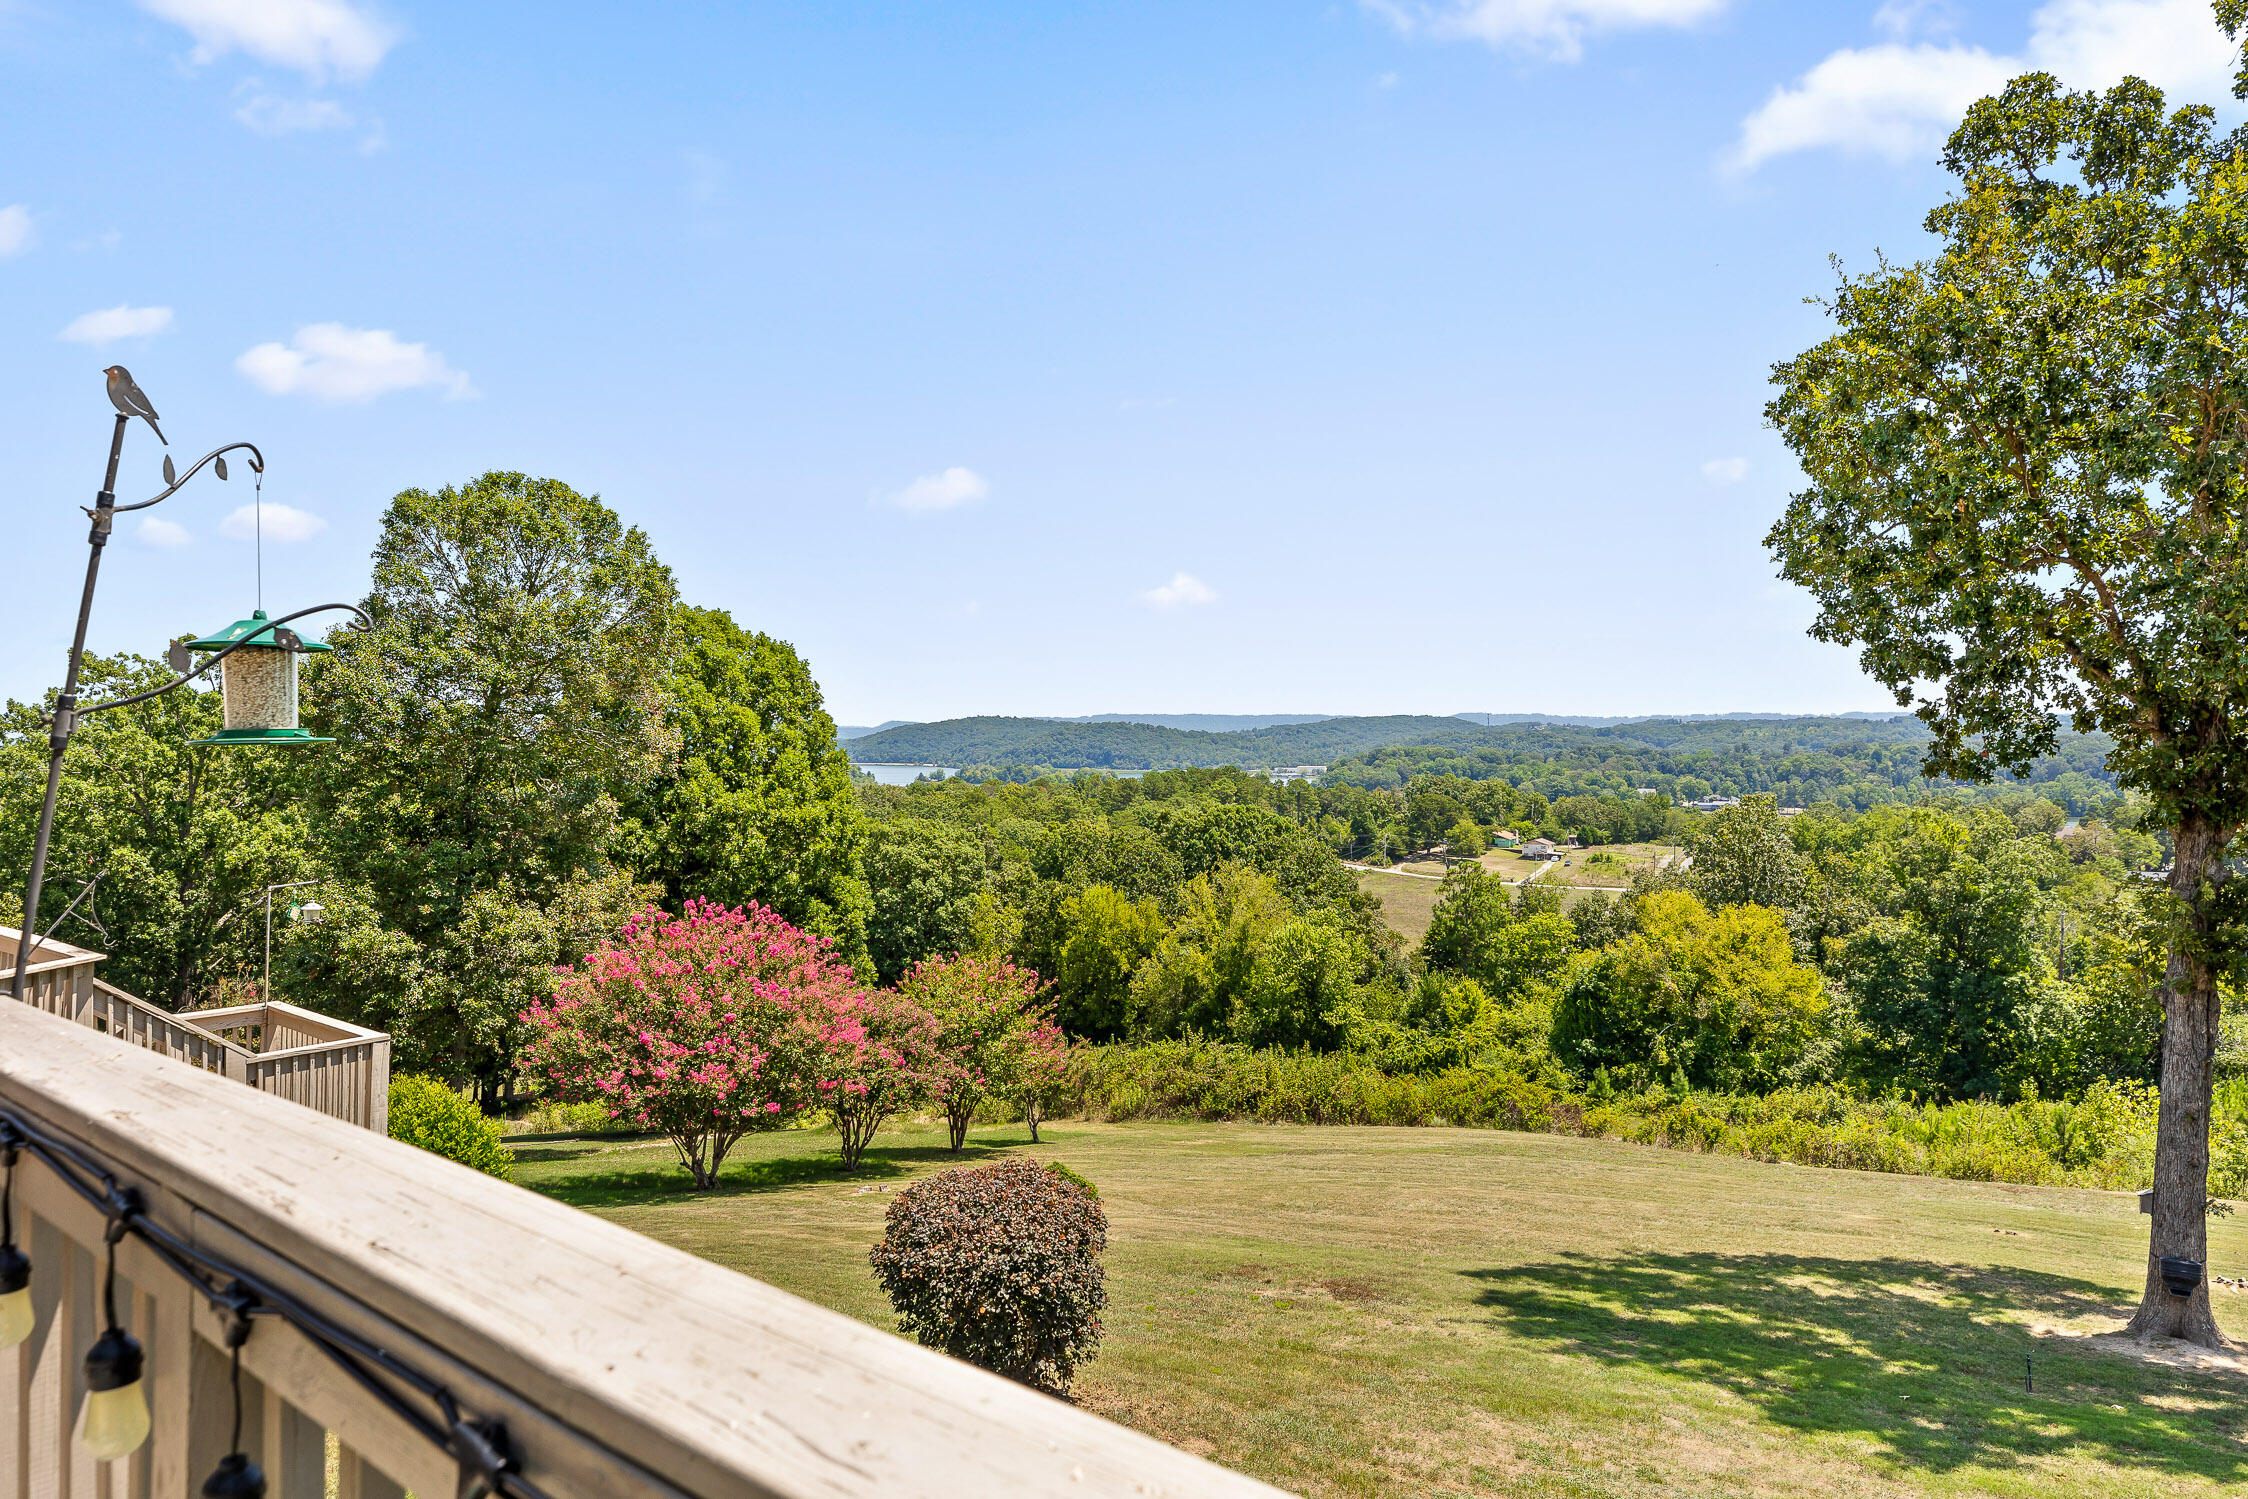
(1880, 765)
(535, 738)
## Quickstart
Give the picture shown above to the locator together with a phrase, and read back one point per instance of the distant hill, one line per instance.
(1583, 721)
(1219, 723)
(1114, 745)
(856, 731)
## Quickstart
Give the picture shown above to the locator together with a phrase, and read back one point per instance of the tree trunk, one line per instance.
(2181, 1143)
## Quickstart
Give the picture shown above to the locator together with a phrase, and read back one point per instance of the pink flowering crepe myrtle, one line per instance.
(1041, 1069)
(986, 1011)
(895, 1065)
(706, 1025)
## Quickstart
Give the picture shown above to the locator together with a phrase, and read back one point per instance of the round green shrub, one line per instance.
(425, 1112)
(999, 1265)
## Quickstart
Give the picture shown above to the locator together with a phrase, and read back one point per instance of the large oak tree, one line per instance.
(2028, 472)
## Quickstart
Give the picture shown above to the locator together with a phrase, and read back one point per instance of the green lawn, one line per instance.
(1430, 1311)
(1572, 868)
(1408, 903)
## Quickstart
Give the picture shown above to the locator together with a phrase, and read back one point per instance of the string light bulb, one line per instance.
(114, 1419)
(15, 1265)
(15, 1295)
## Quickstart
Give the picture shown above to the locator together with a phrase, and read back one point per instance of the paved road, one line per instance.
(1407, 874)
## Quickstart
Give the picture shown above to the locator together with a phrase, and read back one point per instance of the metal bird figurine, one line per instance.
(127, 397)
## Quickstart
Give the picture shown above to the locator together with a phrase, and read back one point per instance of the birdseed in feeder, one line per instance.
(260, 688)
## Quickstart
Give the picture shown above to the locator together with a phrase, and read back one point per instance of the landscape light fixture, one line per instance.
(260, 693)
(114, 1419)
(296, 913)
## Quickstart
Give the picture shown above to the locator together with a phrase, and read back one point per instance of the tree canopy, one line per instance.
(2028, 462)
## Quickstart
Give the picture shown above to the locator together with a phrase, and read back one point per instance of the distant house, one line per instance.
(1540, 848)
(1285, 773)
(1643, 791)
(1714, 803)
(1791, 811)
(1502, 838)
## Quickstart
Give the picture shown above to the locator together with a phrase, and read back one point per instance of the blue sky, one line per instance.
(1345, 357)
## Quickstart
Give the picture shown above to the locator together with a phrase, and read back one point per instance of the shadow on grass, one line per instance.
(1919, 1358)
(641, 1186)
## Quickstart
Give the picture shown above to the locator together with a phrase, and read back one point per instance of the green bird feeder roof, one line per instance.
(251, 629)
(263, 736)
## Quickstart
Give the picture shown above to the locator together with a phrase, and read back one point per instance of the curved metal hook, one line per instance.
(257, 466)
(272, 627)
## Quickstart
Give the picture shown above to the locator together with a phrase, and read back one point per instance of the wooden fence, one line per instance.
(342, 1070)
(621, 1367)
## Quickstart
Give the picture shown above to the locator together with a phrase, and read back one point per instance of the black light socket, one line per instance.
(236, 1477)
(15, 1269)
(114, 1361)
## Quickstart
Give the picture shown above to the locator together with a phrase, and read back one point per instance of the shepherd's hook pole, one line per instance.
(65, 721)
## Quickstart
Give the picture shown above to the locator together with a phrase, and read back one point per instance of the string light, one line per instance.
(15, 1265)
(114, 1419)
(480, 1446)
(236, 1477)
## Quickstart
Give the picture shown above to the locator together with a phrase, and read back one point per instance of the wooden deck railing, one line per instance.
(309, 1058)
(620, 1367)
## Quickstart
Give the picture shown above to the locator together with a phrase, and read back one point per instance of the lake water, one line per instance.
(905, 775)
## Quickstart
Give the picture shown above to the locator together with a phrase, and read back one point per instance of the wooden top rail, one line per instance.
(621, 1366)
(284, 1025)
(45, 956)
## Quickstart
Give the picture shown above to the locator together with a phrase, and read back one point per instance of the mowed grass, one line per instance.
(1425, 1311)
(1408, 903)
(1575, 868)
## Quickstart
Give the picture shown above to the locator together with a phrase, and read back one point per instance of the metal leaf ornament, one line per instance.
(171, 473)
(220, 465)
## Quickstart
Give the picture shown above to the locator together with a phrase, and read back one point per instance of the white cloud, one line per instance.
(155, 531)
(282, 523)
(317, 38)
(946, 491)
(1725, 470)
(335, 363)
(269, 114)
(1900, 101)
(1183, 589)
(16, 235)
(1549, 28)
(113, 323)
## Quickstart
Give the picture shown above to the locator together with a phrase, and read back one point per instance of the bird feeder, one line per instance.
(309, 911)
(258, 682)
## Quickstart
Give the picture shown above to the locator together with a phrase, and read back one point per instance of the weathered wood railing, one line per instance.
(620, 1367)
(323, 1063)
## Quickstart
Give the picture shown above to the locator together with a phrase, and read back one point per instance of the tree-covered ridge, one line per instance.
(1797, 762)
(1854, 762)
(1139, 746)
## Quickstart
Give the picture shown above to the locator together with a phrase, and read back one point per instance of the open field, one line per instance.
(1574, 869)
(1407, 903)
(1434, 1311)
